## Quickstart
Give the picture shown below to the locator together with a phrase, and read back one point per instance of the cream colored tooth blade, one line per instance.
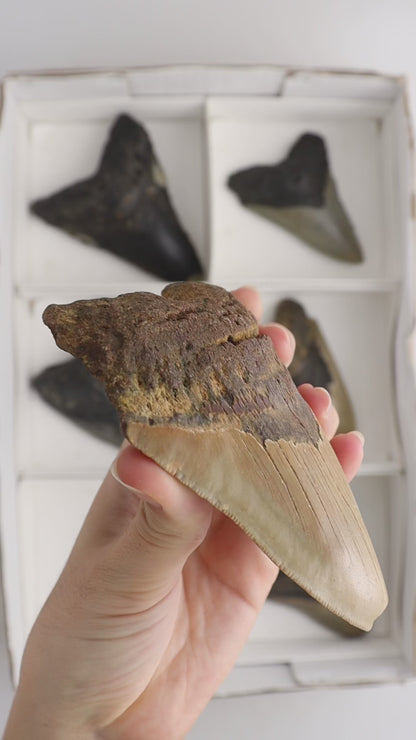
(292, 499)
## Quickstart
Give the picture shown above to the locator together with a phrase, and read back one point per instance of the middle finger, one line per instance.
(321, 404)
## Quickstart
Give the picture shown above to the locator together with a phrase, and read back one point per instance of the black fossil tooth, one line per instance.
(300, 195)
(298, 180)
(313, 362)
(125, 207)
(70, 389)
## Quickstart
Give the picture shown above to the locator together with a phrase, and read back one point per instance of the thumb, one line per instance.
(171, 517)
(179, 508)
(141, 528)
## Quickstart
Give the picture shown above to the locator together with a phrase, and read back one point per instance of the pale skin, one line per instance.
(154, 604)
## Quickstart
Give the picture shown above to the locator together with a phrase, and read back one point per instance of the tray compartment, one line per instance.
(243, 133)
(57, 153)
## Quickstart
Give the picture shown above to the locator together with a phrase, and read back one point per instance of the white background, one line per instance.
(375, 35)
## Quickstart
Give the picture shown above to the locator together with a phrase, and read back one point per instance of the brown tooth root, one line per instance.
(202, 393)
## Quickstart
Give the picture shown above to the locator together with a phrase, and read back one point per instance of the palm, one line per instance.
(219, 599)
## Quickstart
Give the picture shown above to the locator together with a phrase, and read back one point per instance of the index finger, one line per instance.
(250, 298)
(282, 338)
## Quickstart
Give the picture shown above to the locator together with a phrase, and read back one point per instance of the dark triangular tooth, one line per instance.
(70, 389)
(128, 148)
(125, 207)
(285, 588)
(202, 393)
(299, 180)
(71, 209)
(285, 591)
(300, 195)
(313, 361)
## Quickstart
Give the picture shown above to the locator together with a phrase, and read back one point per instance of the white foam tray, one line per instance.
(205, 124)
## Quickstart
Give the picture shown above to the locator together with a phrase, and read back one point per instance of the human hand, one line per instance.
(154, 605)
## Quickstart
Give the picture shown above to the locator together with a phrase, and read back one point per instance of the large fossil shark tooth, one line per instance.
(70, 389)
(313, 361)
(300, 195)
(125, 207)
(201, 392)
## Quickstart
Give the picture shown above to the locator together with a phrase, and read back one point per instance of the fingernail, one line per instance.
(327, 395)
(136, 491)
(360, 436)
(290, 339)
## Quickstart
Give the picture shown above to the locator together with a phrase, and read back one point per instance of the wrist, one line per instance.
(31, 719)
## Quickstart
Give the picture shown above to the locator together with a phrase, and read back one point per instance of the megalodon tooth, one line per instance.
(313, 362)
(69, 388)
(200, 391)
(125, 207)
(300, 194)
